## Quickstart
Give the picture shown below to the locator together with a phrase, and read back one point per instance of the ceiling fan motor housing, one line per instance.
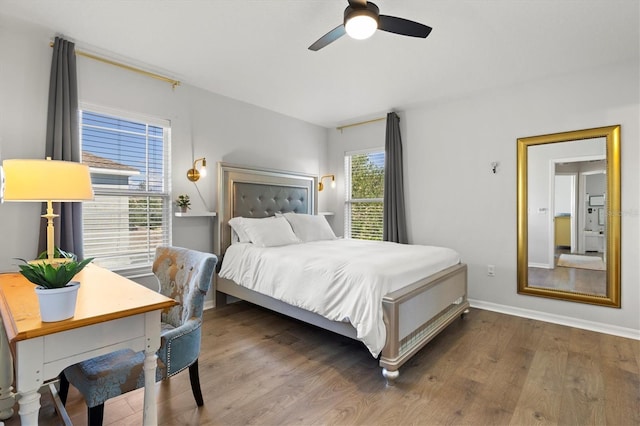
(371, 10)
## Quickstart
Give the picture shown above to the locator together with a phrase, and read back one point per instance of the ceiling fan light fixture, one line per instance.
(361, 26)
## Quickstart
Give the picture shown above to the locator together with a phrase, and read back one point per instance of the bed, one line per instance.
(411, 315)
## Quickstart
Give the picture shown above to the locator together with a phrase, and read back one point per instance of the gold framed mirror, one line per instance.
(568, 221)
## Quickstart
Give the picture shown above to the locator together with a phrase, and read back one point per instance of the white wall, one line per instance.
(203, 125)
(453, 199)
(562, 197)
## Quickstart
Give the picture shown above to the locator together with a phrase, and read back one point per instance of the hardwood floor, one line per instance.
(257, 367)
(570, 279)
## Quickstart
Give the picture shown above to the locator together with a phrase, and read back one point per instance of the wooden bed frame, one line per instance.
(413, 315)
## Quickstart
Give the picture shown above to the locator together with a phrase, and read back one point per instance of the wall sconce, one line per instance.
(494, 167)
(194, 174)
(46, 180)
(333, 182)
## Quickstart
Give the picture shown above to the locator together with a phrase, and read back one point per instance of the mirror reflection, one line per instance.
(564, 227)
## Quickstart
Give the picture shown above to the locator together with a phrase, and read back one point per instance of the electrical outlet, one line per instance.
(491, 270)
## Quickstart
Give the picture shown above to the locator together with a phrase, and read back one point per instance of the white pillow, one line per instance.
(310, 227)
(266, 232)
(237, 225)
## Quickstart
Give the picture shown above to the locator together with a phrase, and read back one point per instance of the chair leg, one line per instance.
(195, 383)
(95, 414)
(64, 388)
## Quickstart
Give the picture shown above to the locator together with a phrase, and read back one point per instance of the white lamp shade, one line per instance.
(46, 180)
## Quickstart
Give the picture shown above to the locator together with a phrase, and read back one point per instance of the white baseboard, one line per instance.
(615, 330)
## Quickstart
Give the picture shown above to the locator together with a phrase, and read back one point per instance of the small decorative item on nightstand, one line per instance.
(183, 202)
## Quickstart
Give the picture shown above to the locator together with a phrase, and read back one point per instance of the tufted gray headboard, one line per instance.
(255, 192)
(262, 200)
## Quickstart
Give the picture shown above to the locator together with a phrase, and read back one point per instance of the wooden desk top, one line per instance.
(103, 296)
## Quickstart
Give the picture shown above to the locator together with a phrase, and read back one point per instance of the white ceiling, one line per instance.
(256, 50)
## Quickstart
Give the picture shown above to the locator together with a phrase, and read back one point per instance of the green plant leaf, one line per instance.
(52, 276)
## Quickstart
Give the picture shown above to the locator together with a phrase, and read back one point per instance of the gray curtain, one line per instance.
(394, 221)
(63, 143)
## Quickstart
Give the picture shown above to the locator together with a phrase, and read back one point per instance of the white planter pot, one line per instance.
(57, 304)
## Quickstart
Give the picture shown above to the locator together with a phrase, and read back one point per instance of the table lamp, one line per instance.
(46, 180)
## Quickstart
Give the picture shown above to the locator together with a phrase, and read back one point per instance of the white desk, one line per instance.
(112, 313)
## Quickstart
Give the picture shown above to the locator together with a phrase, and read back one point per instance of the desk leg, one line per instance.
(150, 414)
(29, 407)
(152, 333)
(7, 397)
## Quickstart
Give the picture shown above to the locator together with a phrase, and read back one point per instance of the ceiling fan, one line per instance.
(362, 18)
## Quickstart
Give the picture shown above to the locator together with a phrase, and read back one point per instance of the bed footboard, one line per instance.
(416, 314)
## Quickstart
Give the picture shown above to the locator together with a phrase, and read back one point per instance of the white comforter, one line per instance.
(342, 280)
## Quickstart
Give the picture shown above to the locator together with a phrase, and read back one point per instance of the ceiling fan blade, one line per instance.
(329, 37)
(402, 26)
(358, 4)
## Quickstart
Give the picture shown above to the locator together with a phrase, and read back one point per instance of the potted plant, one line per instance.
(56, 292)
(183, 202)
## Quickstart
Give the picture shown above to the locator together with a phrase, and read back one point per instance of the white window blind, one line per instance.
(364, 194)
(131, 213)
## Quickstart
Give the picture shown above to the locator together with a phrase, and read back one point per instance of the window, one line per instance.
(129, 162)
(364, 194)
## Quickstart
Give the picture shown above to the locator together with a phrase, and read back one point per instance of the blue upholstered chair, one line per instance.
(185, 276)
